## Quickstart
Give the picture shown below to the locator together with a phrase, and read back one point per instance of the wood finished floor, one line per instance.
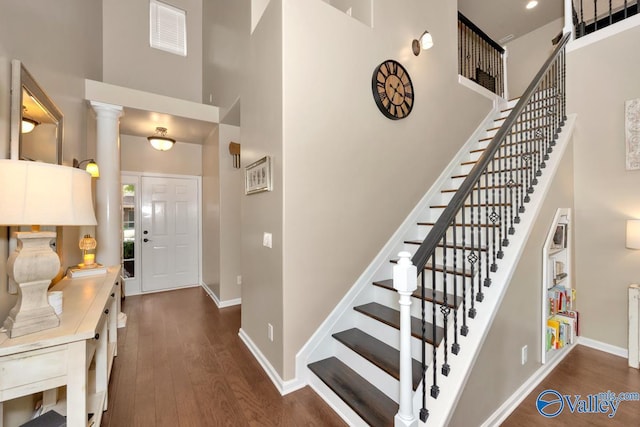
(181, 363)
(584, 371)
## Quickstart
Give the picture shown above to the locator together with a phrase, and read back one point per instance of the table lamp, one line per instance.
(35, 194)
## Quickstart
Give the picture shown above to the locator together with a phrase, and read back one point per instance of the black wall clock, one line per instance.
(392, 89)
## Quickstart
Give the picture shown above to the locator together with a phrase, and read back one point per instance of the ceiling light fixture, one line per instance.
(160, 141)
(532, 4)
(424, 42)
(28, 125)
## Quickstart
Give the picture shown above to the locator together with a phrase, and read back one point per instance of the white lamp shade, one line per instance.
(34, 193)
(426, 40)
(633, 233)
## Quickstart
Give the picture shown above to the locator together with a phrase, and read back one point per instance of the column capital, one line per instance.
(102, 108)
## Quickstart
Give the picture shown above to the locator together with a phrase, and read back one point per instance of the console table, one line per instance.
(46, 360)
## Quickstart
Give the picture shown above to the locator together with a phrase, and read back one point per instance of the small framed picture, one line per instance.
(560, 237)
(257, 176)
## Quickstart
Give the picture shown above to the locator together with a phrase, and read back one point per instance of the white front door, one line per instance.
(169, 208)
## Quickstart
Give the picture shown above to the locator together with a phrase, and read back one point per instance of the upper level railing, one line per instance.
(593, 15)
(480, 58)
(458, 257)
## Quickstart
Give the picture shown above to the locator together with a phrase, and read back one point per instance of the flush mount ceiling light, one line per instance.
(532, 4)
(424, 42)
(160, 141)
(28, 125)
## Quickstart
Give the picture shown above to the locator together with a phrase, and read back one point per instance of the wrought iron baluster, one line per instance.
(424, 413)
(435, 390)
(455, 347)
(444, 308)
(610, 11)
(464, 330)
(595, 15)
(480, 294)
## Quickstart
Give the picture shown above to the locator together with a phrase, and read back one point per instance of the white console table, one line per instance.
(46, 360)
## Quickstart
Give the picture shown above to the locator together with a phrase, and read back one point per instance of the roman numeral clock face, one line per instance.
(392, 90)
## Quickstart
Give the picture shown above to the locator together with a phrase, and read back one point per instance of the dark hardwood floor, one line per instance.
(583, 372)
(181, 363)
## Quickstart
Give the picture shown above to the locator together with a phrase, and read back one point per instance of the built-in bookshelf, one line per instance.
(560, 320)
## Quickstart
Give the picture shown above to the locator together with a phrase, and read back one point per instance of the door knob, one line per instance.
(145, 232)
(146, 240)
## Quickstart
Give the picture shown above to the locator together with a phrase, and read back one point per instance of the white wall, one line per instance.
(137, 155)
(601, 77)
(225, 42)
(129, 60)
(211, 213)
(526, 55)
(231, 194)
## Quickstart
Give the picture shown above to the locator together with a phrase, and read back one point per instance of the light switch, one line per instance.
(267, 240)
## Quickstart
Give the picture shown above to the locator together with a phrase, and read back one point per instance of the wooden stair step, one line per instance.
(431, 224)
(377, 352)
(372, 405)
(441, 269)
(391, 317)
(452, 301)
(483, 187)
(522, 168)
(509, 156)
(475, 205)
(466, 247)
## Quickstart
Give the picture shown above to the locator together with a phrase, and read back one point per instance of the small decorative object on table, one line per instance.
(88, 245)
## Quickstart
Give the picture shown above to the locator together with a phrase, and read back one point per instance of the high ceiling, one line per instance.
(501, 18)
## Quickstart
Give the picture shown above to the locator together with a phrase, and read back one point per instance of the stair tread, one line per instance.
(391, 317)
(377, 352)
(452, 301)
(491, 187)
(441, 268)
(431, 224)
(366, 400)
(456, 245)
(474, 205)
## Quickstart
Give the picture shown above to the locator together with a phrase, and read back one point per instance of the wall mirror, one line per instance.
(36, 133)
(36, 122)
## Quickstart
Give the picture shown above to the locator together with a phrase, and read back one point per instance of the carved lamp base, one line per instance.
(31, 267)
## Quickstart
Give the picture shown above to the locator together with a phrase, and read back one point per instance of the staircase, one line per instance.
(462, 238)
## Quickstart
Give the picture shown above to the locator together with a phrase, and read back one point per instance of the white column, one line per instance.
(108, 189)
(405, 281)
(634, 326)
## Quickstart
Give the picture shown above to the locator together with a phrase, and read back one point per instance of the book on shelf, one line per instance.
(76, 272)
(560, 299)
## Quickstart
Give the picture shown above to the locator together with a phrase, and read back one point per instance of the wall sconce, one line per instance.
(424, 42)
(633, 233)
(160, 141)
(234, 150)
(92, 167)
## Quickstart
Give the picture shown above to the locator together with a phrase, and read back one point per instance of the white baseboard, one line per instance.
(284, 387)
(523, 391)
(607, 348)
(221, 304)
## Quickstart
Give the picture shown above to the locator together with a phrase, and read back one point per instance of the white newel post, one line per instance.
(405, 281)
(568, 18)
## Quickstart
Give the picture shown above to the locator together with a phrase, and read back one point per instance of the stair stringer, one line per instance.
(451, 386)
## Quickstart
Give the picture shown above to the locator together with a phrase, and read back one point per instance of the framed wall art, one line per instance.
(257, 176)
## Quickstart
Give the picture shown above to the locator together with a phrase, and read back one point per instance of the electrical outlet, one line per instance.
(523, 355)
(239, 280)
(270, 331)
